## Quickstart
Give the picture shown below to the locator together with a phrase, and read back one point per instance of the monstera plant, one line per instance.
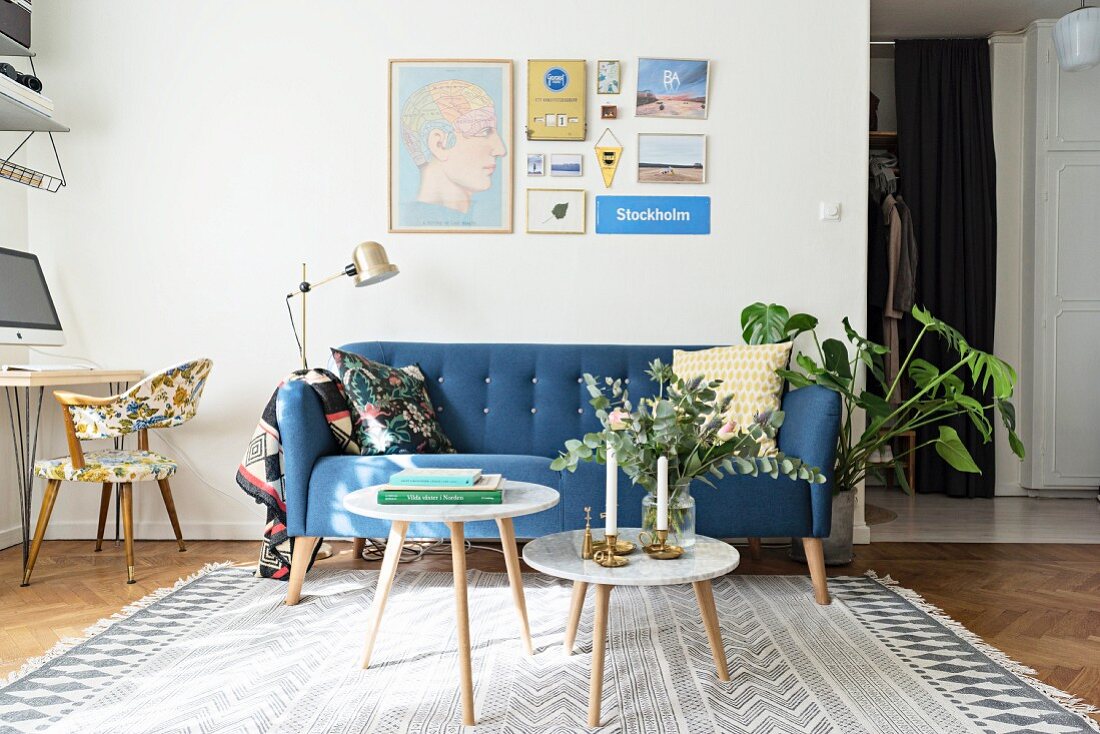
(934, 394)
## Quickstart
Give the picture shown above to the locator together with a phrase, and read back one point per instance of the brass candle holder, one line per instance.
(607, 556)
(586, 546)
(622, 547)
(659, 548)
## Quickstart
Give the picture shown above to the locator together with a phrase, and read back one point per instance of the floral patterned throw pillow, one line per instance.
(391, 410)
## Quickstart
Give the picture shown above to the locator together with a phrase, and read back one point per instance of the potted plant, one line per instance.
(934, 394)
(684, 423)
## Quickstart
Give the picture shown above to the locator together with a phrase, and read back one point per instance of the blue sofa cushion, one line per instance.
(335, 477)
(390, 408)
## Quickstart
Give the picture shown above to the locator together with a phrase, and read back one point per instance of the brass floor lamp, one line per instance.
(369, 265)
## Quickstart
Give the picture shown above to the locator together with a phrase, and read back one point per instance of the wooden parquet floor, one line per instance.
(1038, 603)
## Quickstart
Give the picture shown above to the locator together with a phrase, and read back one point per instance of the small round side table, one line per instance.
(520, 498)
(560, 555)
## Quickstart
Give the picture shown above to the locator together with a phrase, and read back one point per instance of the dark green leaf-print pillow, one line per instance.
(390, 408)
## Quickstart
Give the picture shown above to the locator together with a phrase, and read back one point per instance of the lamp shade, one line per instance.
(372, 264)
(1077, 39)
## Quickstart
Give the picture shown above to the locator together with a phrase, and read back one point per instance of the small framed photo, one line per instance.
(609, 112)
(536, 164)
(672, 158)
(555, 211)
(608, 77)
(566, 164)
(673, 88)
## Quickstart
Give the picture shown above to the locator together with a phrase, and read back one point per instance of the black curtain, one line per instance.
(948, 177)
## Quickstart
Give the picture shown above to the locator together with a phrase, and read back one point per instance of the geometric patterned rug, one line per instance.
(221, 653)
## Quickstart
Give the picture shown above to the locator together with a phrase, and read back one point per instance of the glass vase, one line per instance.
(681, 514)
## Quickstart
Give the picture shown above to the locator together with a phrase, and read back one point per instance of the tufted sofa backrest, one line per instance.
(518, 398)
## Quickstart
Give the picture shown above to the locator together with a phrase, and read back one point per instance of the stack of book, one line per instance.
(442, 487)
(24, 96)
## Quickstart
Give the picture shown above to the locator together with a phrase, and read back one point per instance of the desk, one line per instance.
(25, 402)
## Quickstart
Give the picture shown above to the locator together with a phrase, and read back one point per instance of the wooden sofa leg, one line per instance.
(754, 549)
(299, 564)
(357, 548)
(815, 557)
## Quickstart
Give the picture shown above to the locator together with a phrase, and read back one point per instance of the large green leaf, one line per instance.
(860, 342)
(986, 368)
(836, 358)
(799, 323)
(923, 372)
(1008, 413)
(796, 379)
(950, 448)
(764, 323)
(903, 480)
(1016, 444)
(875, 406)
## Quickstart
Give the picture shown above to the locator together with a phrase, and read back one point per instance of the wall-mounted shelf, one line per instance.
(9, 47)
(883, 139)
(14, 116)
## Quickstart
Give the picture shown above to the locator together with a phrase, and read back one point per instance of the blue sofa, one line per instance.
(509, 408)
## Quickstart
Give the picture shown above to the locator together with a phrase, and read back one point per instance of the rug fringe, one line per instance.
(1026, 674)
(68, 643)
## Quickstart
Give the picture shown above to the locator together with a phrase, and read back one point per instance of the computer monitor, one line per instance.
(27, 313)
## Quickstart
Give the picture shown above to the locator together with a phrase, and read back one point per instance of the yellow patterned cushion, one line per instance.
(108, 466)
(747, 373)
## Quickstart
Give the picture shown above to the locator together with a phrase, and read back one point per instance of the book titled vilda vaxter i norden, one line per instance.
(489, 490)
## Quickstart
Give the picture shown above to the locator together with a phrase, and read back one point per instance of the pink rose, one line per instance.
(728, 431)
(618, 419)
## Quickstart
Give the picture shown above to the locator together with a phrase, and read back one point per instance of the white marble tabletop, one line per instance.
(560, 555)
(520, 498)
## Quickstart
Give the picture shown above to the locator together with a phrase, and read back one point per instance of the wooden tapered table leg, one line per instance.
(704, 594)
(599, 646)
(462, 620)
(515, 579)
(357, 546)
(385, 582)
(580, 588)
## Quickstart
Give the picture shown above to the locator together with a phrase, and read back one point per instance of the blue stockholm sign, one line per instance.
(652, 215)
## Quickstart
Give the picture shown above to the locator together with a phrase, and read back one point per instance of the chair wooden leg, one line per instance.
(754, 549)
(704, 594)
(40, 531)
(580, 588)
(357, 547)
(104, 505)
(299, 564)
(599, 647)
(128, 528)
(170, 505)
(515, 579)
(815, 558)
(390, 560)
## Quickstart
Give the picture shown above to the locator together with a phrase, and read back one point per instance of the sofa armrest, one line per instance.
(810, 430)
(305, 437)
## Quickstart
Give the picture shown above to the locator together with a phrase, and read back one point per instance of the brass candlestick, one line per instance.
(606, 556)
(622, 547)
(586, 546)
(660, 548)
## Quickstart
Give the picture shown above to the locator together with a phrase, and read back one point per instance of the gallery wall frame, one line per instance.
(609, 76)
(556, 211)
(450, 164)
(556, 99)
(674, 88)
(676, 158)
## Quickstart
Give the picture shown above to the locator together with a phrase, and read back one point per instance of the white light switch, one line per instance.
(830, 211)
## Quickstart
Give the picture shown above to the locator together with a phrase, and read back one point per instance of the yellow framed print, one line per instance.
(556, 100)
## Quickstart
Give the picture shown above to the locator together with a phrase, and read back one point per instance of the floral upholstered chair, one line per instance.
(164, 400)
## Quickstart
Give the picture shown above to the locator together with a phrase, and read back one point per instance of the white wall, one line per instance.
(1008, 71)
(217, 145)
(13, 234)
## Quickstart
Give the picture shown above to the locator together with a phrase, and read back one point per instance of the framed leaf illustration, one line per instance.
(556, 211)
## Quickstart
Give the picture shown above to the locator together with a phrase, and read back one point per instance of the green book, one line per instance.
(437, 477)
(441, 497)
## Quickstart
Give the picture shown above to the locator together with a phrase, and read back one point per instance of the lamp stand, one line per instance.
(304, 292)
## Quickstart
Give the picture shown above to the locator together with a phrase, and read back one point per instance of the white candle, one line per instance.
(662, 493)
(612, 525)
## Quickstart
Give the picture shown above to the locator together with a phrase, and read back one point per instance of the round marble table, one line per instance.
(560, 555)
(520, 498)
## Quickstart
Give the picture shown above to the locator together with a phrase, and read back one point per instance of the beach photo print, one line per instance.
(673, 88)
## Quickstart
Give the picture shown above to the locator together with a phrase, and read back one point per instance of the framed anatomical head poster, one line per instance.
(450, 135)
